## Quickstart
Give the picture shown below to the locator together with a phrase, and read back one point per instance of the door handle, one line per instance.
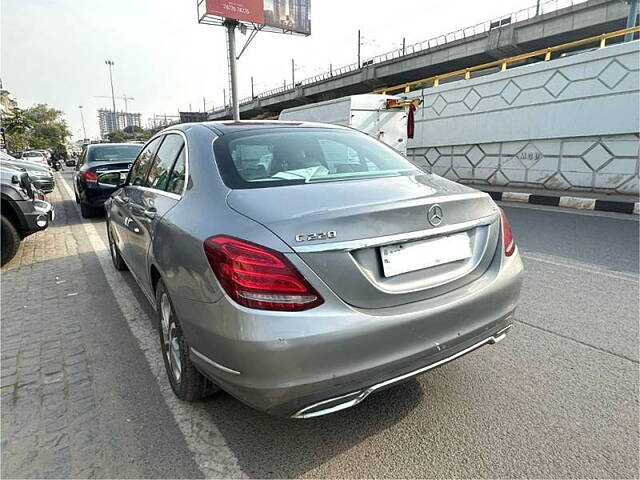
(150, 213)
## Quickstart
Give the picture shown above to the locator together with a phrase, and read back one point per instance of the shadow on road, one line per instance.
(272, 447)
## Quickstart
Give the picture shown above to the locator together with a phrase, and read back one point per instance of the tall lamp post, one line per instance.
(84, 130)
(110, 64)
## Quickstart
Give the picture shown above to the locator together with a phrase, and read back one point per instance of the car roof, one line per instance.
(97, 145)
(230, 126)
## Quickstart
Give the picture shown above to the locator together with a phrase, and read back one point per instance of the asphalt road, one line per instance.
(557, 398)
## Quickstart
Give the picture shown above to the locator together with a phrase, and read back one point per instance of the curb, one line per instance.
(578, 203)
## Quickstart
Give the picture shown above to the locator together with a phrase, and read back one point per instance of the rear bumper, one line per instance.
(96, 196)
(334, 356)
(336, 404)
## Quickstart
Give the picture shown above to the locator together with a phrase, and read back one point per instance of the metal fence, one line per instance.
(519, 16)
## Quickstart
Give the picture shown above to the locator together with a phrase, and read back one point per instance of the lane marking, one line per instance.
(582, 267)
(204, 440)
(567, 337)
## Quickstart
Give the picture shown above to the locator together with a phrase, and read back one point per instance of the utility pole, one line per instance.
(293, 73)
(631, 20)
(404, 46)
(224, 96)
(204, 105)
(84, 130)
(252, 94)
(110, 63)
(538, 8)
(359, 43)
(331, 69)
(233, 72)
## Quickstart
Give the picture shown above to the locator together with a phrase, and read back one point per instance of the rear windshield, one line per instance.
(32, 154)
(294, 156)
(114, 153)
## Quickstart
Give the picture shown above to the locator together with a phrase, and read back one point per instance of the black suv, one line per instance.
(22, 213)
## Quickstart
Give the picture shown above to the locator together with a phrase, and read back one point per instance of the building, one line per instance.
(110, 122)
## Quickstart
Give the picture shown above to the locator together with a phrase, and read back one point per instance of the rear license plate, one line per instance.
(409, 257)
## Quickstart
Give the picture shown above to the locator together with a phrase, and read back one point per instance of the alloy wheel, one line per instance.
(170, 339)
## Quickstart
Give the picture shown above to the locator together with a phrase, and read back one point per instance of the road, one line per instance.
(557, 398)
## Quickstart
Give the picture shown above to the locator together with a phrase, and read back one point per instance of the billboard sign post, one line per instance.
(277, 16)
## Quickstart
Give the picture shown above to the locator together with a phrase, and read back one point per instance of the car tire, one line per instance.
(77, 197)
(186, 381)
(86, 211)
(116, 258)
(10, 240)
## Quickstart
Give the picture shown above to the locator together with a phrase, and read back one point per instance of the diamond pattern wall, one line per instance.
(600, 164)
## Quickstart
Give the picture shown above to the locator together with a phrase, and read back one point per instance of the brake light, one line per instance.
(507, 235)
(90, 177)
(258, 277)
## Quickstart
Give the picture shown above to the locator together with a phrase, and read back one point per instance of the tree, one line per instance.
(16, 127)
(49, 130)
(118, 136)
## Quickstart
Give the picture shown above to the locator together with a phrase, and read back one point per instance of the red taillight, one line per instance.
(258, 277)
(507, 235)
(90, 177)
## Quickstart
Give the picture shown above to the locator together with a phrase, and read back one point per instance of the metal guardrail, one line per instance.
(503, 63)
(519, 16)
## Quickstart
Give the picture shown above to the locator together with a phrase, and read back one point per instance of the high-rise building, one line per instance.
(110, 122)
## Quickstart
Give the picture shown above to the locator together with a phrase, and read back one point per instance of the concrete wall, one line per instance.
(570, 124)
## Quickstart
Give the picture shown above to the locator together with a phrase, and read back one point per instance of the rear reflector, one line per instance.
(507, 235)
(258, 277)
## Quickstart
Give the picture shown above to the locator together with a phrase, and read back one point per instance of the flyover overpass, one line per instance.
(560, 21)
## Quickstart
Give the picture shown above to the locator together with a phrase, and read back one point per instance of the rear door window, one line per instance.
(161, 168)
(177, 176)
(138, 173)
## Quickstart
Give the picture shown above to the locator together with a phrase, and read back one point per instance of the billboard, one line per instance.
(290, 15)
(277, 15)
(243, 10)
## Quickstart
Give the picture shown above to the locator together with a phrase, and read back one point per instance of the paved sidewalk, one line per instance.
(48, 403)
(78, 399)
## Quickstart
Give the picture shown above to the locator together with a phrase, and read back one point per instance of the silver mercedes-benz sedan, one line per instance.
(301, 267)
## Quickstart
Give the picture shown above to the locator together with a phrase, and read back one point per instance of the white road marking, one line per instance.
(587, 268)
(204, 440)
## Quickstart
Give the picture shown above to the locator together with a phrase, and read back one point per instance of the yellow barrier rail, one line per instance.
(504, 62)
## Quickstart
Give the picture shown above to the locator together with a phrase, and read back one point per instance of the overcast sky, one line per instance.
(53, 51)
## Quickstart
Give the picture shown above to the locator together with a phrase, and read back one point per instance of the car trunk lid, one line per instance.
(341, 229)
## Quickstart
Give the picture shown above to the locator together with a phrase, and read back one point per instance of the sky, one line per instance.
(54, 51)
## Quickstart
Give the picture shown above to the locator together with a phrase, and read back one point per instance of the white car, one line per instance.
(36, 156)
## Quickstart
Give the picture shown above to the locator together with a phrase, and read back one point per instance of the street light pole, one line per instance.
(359, 43)
(293, 72)
(538, 8)
(84, 130)
(110, 63)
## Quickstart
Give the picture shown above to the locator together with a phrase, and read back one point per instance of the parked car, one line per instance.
(41, 175)
(302, 267)
(21, 211)
(99, 171)
(37, 156)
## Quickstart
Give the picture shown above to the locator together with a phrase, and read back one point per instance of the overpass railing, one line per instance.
(519, 16)
(546, 54)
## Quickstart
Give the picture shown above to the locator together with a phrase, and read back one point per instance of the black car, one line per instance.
(22, 212)
(101, 168)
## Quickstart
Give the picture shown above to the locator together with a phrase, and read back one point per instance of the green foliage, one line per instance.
(38, 127)
(129, 133)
